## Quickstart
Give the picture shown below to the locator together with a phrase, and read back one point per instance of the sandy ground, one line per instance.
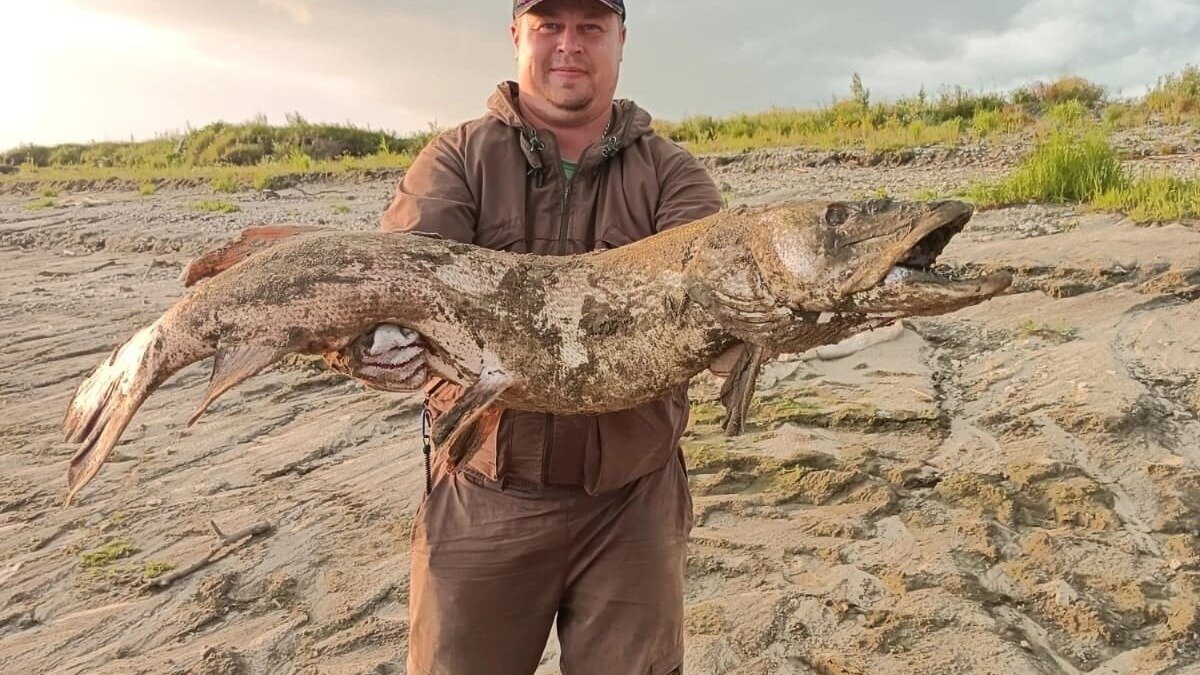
(1014, 488)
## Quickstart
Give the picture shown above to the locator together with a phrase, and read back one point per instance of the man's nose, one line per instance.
(569, 42)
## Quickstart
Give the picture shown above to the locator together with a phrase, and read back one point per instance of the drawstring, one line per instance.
(426, 448)
(610, 148)
(532, 146)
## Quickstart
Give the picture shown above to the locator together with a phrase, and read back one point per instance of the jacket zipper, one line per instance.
(566, 203)
(548, 442)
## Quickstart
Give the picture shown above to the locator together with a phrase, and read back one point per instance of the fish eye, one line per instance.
(836, 214)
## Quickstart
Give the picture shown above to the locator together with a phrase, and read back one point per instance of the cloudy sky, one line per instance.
(80, 70)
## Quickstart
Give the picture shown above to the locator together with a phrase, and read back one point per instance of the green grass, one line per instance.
(1176, 96)
(817, 130)
(251, 143)
(230, 157)
(1153, 199)
(340, 209)
(41, 203)
(226, 183)
(106, 554)
(147, 188)
(1059, 332)
(216, 206)
(1080, 166)
(155, 568)
(262, 176)
(1067, 167)
(953, 115)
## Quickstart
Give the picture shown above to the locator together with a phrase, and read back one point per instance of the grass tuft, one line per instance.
(216, 206)
(1079, 165)
(226, 183)
(106, 554)
(1067, 167)
(155, 568)
(1154, 199)
(41, 203)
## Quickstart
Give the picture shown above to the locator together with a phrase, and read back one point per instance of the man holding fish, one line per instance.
(577, 520)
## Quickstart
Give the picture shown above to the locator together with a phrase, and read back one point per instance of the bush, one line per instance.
(1176, 96)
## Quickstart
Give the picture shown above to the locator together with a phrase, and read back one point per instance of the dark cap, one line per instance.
(522, 6)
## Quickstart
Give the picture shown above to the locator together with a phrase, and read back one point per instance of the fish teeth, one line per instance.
(897, 274)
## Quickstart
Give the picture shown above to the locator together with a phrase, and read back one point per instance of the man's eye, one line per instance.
(548, 27)
(593, 27)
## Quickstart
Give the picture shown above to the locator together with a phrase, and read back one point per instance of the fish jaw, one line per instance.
(852, 258)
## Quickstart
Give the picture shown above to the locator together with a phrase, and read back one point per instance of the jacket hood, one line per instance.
(630, 122)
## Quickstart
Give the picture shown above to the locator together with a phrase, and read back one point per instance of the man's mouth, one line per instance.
(568, 71)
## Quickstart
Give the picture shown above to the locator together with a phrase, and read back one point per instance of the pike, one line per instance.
(586, 333)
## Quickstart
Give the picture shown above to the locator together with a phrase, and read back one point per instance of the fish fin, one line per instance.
(738, 390)
(251, 241)
(232, 365)
(462, 428)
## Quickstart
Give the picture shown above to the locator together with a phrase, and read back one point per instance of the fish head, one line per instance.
(870, 258)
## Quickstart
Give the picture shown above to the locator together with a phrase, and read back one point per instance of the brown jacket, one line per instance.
(497, 182)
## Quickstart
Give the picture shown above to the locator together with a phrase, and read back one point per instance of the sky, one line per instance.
(91, 70)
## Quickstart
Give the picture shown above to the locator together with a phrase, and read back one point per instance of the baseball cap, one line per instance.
(522, 6)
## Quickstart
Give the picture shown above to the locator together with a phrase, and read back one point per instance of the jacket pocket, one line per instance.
(632, 443)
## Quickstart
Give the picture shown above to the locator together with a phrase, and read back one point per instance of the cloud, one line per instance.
(403, 65)
(299, 10)
(1124, 45)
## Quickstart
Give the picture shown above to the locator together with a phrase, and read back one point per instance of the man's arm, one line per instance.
(689, 194)
(432, 197)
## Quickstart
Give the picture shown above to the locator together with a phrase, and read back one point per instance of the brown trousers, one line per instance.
(492, 568)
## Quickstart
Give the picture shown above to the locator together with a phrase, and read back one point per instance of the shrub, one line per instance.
(1176, 96)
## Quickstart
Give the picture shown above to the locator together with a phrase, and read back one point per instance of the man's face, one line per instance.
(569, 52)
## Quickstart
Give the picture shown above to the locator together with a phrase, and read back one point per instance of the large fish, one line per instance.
(584, 333)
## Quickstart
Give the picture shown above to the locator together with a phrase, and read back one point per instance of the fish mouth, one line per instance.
(907, 281)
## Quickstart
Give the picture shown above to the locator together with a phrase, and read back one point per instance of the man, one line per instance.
(584, 518)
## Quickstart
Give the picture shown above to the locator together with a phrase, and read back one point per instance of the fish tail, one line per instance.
(104, 403)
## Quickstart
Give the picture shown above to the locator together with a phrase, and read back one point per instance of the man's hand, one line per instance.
(723, 364)
(389, 358)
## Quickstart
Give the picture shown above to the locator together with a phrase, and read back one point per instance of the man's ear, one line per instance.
(514, 30)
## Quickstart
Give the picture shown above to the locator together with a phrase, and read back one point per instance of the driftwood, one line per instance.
(215, 553)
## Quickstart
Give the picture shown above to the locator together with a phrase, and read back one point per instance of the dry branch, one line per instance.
(215, 553)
